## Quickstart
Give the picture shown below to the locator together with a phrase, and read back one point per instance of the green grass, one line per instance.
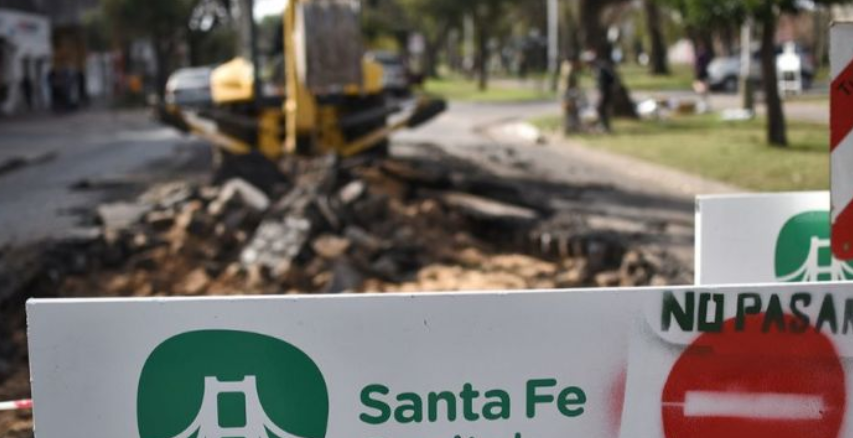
(638, 78)
(823, 74)
(732, 152)
(460, 89)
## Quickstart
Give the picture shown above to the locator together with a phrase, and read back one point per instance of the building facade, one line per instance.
(25, 59)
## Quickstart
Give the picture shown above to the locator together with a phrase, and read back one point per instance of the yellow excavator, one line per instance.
(324, 96)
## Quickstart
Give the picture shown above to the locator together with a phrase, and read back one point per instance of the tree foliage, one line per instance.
(659, 62)
(709, 14)
(435, 18)
(165, 23)
(159, 19)
(488, 15)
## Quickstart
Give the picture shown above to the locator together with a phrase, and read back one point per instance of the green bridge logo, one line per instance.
(223, 384)
(803, 252)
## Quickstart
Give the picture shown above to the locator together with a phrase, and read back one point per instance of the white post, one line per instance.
(468, 43)
(553, 40)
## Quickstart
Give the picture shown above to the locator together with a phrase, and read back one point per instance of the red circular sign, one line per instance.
(749, 383)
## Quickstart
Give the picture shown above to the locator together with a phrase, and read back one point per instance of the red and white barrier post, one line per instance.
(16, 405)
(841, 128)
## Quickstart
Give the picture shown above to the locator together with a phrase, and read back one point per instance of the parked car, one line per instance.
(724, 72)
(189, 87)
(395, 78)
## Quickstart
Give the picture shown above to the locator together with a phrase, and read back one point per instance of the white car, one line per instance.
(724, 72)
(189, 87)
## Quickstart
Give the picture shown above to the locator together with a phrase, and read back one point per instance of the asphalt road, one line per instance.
(652, 204)
(115, 153)
(121, 153)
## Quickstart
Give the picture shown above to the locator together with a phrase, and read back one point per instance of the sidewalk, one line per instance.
(618, 170)
(798, 110)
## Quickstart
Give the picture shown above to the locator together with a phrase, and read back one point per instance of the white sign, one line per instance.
(28, 33)
(765, 238)
(767, 361)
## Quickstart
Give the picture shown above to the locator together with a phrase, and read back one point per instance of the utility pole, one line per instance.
(553, 41)
(468, 44)
(746, 85)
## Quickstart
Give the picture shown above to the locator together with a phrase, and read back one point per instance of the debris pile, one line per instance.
(403, 224)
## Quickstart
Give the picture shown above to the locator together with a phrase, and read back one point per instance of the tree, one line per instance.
(766, 13)
(97, 30)
(211, 38)
(659, 62)
(164, 22)
(434, 19)
(385, 22)
(705, 14)
(594, 37)
(488, 16)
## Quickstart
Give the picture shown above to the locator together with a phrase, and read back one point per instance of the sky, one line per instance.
(268, 7)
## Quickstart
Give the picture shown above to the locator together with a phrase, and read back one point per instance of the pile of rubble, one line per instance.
(410, 224)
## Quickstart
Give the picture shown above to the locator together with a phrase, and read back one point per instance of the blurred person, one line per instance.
(27, 90)
(701, 85)
(605, 81)
(82, 90)
(70, 88)
(54, 82)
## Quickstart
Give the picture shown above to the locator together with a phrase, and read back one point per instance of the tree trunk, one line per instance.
(623, 104)
(776, 131)
(433, 46)
(594, 36)
(659, 62)
(571, 35)
(431, 60)
(593, 33)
